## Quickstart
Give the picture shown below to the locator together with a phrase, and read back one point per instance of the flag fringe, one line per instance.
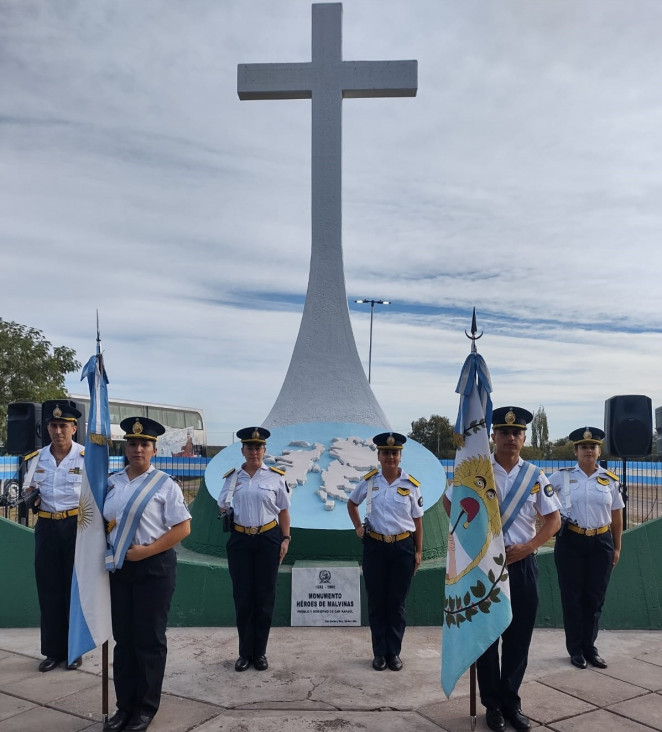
(99, 439)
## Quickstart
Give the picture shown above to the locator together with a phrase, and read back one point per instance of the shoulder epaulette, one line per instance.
(413, 480)
(82, 452)
(370, 474)
(31, 455)
(611, 475)
(229, 473)
(571, 467)
(276, 470)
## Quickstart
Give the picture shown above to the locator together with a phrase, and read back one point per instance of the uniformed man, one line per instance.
(588, 545)
(392, 545)
(524, 494)
(56, 471)
(259, 525)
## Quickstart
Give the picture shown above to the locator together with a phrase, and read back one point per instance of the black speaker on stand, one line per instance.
(628, 432)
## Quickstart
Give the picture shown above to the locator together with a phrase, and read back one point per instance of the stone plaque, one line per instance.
(326, 593)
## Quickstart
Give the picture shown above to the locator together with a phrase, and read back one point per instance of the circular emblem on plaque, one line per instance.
(324, 576)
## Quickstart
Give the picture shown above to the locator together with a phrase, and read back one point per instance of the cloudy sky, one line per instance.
(525, 179)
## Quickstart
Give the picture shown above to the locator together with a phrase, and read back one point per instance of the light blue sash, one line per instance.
(131, 518)
(518, 493)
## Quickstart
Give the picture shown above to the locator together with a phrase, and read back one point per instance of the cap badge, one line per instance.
(510, 417)
(390, 440)
(137, 428)
(588, 435)
(57, 412)
(256, 434)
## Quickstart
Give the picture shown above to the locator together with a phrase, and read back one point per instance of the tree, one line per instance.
(540, 433)
(436, 434)
(31, 369)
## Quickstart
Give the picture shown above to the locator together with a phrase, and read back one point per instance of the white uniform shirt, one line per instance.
(165, 509)
(258, 500)
(392, 511)
(59, 485)
(592, 497)
(523, 528)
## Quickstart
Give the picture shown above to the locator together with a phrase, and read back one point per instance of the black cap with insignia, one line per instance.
(587, 435)
(60, 409)
(515, 417)
(389, 440)
(141, 428)
(253, 435)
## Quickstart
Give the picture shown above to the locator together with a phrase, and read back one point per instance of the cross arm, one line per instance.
(379, 79)
(274, 81)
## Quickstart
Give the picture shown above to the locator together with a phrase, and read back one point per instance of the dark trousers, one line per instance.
(140, 596)
(583, 565)
(253, 562)
(387, 572)
(55, 549)
(499, 683)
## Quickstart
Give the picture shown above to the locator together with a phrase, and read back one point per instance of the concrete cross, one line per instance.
(323, 382)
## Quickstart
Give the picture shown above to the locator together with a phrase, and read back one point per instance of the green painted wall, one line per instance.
(204, 591)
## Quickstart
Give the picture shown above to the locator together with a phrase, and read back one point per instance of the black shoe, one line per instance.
(597, 661)
(518, 720)
(138, 722)
(48, 664)
(242, 663)
(495, 720)
(578, 660)
(117, 722)
(76, 663)
(394, 663)
(379, 663)
(261, 663)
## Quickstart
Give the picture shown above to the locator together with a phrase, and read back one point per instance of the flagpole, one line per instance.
(472, 670)
(472, 695)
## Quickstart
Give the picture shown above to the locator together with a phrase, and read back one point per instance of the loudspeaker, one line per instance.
(23, 427)
(658, 428)
(629, 426)
(47, 411)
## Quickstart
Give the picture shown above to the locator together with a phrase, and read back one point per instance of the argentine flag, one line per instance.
(477, 593)
(89, 615)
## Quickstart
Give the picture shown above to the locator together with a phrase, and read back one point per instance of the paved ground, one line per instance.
(320, 680)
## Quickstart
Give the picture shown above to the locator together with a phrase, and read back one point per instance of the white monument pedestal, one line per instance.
(326, 593)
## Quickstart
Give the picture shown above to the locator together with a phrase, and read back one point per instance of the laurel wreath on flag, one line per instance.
(477, 598)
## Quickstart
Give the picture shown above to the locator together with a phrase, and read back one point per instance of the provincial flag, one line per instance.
(89, 615)
(477, 593)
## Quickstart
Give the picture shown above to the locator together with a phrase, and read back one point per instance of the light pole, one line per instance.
(372, 312)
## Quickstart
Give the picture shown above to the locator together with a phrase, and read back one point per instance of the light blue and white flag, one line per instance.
(89, 615)
(477, 593)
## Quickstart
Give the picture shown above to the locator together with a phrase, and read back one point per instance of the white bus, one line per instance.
(185, 429)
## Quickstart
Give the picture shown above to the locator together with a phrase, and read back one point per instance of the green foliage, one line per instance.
(31, 369)
(540, 433)
(436, 434)
(563, 450)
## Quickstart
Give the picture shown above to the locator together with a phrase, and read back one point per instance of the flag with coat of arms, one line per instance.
(477, 593)
(89, 615)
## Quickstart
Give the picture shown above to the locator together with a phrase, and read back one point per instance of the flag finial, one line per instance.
(473, 337)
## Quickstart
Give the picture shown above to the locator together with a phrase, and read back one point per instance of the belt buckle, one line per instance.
(58, 515)
(389, 539)
(252, 530)
(591, 532)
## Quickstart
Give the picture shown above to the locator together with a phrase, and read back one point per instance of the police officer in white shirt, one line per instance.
(142, 580)
(392, 545)
(57, 472)
(525, 494)
(588, 545)
(259, 525)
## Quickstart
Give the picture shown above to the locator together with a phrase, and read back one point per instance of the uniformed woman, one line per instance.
(588, 545)
(259, 525)
(146, 517)
(392, 545)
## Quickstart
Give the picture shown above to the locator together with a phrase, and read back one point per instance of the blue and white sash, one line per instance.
(518, 493)
(131, 518)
